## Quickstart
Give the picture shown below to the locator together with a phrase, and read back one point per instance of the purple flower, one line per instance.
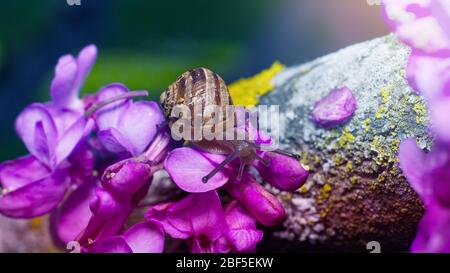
(242, 234)
(124, 185)
(429, 175)
(93, 214)
(30, 189)
(423, 25)
(145, 237)
(70, 74)
(257, 200)
(433, 235)
(126, 127)
(334, 109)
(51, 134)
(200, 219)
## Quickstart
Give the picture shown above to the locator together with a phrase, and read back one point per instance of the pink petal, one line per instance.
(244, 240)
(62, 84)
(70, 74)
(414, 22)
(335, 108)
(113, 140)
(429, 75)
(37, 129)
(440, 113)
(110, 115)
(145, 237)
(433, 234)
(283, 172)
(21, 172)
(261, 204)
(85, 60)
(197, 215)
(73, 216)
(138, 124)
(126, 177)
(112, 244)
(238, 217)
(412, 160)
(188, 166)
(37, 198)
(72, 137)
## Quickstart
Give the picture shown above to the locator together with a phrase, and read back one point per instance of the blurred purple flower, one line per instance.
(334, 109)
(70, 74)
(35, 184)
(423, 24)
(429, 175)
(126, 127)
(102, 210)
(201, 220)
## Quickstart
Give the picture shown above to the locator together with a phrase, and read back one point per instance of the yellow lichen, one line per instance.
(354, 180)
(325, 193)
(346, 137)
(421, 112)
(349, 166)
(385, 93)
(303, 189)
(366, 123)
(247, 91)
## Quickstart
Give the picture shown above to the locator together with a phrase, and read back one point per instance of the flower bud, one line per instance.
(126, 177)
(282, 172)
(260, 203)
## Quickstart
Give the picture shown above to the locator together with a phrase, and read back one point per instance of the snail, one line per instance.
(201, 86)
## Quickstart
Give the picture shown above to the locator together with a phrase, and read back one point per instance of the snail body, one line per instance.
(201, 87)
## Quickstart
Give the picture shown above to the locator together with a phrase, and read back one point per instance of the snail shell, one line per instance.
(199, 86)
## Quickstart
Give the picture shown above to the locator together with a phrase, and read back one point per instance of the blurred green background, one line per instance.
(147, 44)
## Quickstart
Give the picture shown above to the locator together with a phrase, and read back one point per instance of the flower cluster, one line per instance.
(424, 25)
(92, 161)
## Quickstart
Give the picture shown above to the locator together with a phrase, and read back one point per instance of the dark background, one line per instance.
(147, 44)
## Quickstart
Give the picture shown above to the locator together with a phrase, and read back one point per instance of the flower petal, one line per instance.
(440, 112)
(261, 204)
(433, 235)
(21, 172)
(244, 240)
(73, 216)
(334, 109)
(35, 122)
(238, 217)
(409, 17)
(282, 172)
(85, 61)
(62, 84)
(126, 177)
(138, 124)
(412, 160)
(36, 198)
(188, 166)
(109, 116)
(197, 215)
(242, 233)
(72, 137)
(112, 244)
(115, 142)
(429, 75)
(145, 237)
